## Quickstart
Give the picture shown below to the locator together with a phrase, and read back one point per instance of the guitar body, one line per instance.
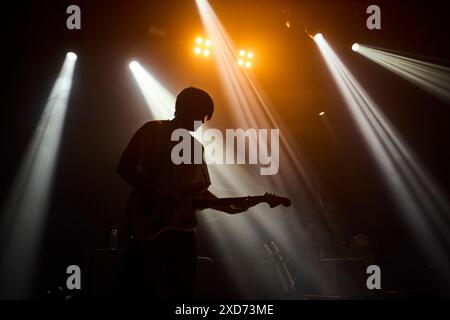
(150, 216)
(147, 218)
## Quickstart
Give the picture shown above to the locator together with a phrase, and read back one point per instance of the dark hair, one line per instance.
(194, 100)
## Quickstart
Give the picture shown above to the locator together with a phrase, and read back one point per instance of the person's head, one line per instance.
(193, 104)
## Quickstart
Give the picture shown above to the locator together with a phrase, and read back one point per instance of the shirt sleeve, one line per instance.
(131, 163)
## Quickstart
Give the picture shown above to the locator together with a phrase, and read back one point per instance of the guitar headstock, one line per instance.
(274, 200)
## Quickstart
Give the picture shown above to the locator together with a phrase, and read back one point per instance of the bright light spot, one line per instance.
(71, 56)
(288, 24)
(322, 113)
(355, 47)
(203, 47)
(133, 64)
(245, 57)
(318, 36)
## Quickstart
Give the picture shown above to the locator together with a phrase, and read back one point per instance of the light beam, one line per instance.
(416, 194)
(24, 214)
(433, 78)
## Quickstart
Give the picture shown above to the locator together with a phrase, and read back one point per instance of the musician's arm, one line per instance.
(129, 166)
(132, 176)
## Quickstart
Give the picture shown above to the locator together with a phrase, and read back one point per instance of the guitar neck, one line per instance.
(210, 203)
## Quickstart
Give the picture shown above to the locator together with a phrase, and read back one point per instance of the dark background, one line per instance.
(106, 107)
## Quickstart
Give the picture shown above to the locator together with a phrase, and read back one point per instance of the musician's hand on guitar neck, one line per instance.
(233, 209)
(228, 208)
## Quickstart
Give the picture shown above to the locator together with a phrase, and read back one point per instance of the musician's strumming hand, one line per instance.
(178, 204)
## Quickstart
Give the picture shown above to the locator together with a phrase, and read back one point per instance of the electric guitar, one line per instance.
(147, 218)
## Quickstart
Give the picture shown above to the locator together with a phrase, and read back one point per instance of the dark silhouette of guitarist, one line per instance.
(165, 266)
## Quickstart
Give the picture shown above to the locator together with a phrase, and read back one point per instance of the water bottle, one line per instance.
(114, 240)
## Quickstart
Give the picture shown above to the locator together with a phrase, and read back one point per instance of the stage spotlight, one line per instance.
(133, 64)
(355, 47)
(244, 59)
(318, 36)
(203, 47)
(24, 214)
(433, 78)
(419, 199)
(71, 56)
